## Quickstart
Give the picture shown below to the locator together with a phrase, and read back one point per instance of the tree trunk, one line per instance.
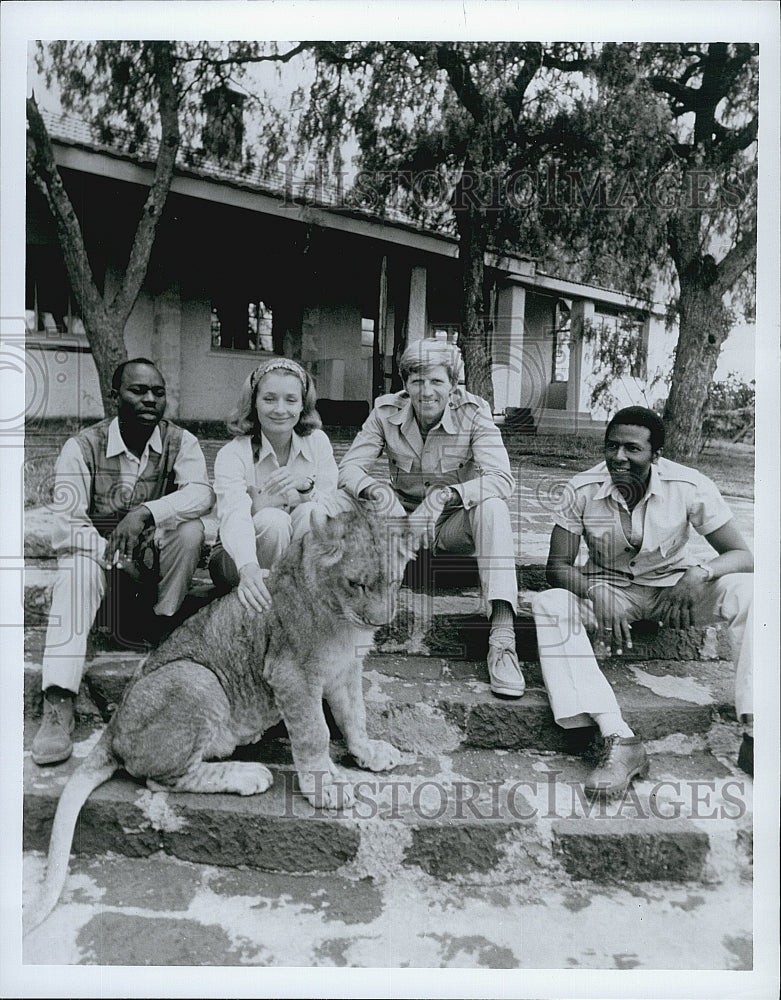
(104, 322)
(473, 241)
(704, 325)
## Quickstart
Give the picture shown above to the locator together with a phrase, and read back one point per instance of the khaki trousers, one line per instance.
(484, 531)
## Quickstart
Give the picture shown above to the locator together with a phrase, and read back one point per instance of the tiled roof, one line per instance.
(73, 131)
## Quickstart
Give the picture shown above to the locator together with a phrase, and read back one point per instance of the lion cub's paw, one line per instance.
(381, 756)
(324, 792)
(253, 779)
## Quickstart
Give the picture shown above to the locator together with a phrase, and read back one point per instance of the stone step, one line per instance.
(469, 815)
(427, 704)
(442, 622)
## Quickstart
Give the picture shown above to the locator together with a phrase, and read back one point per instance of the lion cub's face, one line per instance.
(359, 561)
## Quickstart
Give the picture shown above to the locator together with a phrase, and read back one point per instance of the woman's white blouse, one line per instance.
(239, 472)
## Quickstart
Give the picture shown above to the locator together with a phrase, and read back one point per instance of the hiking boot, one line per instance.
(504, 671)
(623, 758)
(53, 743)
(746, 755)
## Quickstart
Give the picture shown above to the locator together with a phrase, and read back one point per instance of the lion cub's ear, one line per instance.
(328, 535)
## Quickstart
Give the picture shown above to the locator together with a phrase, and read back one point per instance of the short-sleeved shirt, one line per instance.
(652, 551)
(464, 450)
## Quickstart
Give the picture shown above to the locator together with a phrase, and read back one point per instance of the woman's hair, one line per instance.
(422, 355)
(244, 417)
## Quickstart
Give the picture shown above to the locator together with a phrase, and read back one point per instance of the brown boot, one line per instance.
(53, 743)
(623, 758)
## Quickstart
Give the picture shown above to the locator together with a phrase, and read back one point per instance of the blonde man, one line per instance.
(439, 437)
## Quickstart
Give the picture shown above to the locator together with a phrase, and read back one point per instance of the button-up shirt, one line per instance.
(464, 450)
(242, 468)
(73, 530)
(649, 547)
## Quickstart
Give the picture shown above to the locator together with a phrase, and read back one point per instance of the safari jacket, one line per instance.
(464, 451)
(654, 554)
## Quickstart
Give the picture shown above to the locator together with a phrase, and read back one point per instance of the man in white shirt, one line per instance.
(129, 494)
(634, 512)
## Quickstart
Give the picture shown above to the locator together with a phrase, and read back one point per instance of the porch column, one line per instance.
(581, 356)
(507, 348)
(416, 317)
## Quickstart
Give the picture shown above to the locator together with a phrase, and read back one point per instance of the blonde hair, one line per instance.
(423, 355)
(244, 416)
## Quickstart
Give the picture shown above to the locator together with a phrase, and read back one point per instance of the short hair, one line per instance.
(422, 355)
(243, 418)
(640, 416)
(119, 371)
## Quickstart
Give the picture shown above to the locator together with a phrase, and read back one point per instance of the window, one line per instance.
(241, 325)
(562, 332)
(49, 306)
(367, 332)
(445, 331)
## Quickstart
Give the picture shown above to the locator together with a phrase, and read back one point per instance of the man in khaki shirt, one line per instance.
(634, 512)
(441, 440)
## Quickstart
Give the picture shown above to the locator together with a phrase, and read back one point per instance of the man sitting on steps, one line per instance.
(634, 511)
(129, 494)
(440, 438)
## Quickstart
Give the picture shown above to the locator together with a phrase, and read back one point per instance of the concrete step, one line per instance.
(427, 704)
(489, 816)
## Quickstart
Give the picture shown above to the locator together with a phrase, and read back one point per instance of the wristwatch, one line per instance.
(309, 486)
(707, 570)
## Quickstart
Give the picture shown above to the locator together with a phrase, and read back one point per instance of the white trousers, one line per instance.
(80, 586)
(274, 531)
(577, 688)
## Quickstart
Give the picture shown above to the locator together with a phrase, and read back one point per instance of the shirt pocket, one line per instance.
(456, 465)
(672, 542)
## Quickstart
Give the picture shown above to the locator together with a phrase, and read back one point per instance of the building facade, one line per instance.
(240, 270)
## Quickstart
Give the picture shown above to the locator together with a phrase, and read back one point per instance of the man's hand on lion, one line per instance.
(252, 590)
(678, 605)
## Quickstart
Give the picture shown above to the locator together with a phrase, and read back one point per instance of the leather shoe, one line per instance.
(504, 672)
(746, 755)
(623, 758)
(53, 743)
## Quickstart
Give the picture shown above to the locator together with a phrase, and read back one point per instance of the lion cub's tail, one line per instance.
(96, 768)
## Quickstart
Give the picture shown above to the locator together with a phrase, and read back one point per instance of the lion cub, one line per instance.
(225, 676)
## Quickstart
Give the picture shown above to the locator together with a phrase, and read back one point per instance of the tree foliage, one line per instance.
(151, 93)
(629, 165)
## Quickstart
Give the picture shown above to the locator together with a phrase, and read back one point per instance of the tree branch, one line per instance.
(738, 259)
(152, 211)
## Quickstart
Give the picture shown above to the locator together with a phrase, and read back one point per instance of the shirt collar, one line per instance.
(262, 449)
(607, 489)
(115, 444)
(405, 418)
